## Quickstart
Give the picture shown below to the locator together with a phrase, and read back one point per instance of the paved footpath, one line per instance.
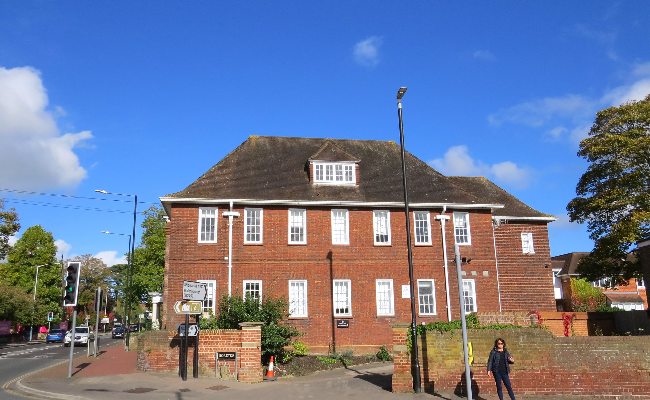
(113, 376)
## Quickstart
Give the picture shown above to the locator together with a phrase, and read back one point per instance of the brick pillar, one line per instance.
(402, 379)
(250, 360)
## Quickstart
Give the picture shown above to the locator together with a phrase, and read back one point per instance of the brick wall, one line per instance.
(591, 367)
(159, 351)
(275, 262)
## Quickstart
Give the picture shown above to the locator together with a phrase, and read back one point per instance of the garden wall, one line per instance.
(159, 351)
(592, 367)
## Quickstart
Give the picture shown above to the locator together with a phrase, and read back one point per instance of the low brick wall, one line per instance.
(584, 323)
(159, 351)
(592, 367)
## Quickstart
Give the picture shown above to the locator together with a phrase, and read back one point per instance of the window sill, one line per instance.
(253, 244)
(297, 244)
(206, 242)
(422, 244)
(383, 245)
(344, 317)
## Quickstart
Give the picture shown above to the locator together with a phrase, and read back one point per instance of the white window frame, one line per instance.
(302, 220)
(252, 281)
(247, 226)
(471, 293)
(345, 302)
(640, 283)
(427, 221)
(466, 227)
(421, 304)
(335, 173)
(527, 246)
(346, 234)
(379, 228)
(202, 219)
(301, 293)
(385, 296)
(211, 286)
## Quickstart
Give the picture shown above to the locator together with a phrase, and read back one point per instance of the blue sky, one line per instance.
(144, 97)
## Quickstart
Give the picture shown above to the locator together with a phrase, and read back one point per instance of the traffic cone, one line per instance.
(270, 376)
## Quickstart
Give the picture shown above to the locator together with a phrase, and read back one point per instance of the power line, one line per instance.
(72, 197)
(72, 207)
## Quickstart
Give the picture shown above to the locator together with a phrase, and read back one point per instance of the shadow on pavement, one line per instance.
(80, 368)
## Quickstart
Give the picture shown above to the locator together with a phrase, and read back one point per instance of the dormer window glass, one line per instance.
(334, 173)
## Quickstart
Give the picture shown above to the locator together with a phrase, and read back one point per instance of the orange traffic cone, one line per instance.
(270, 376)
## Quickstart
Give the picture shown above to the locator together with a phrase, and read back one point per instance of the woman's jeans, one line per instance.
(502, 376)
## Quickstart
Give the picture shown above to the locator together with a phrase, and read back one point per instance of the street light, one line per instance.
(415, 368)
(128, 262)
(34, 303)
(135, 213)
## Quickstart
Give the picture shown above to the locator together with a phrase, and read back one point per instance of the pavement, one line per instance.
(113, 375)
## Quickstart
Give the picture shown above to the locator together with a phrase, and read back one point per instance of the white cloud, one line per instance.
(12, 240)
(34, 154)
(110, 258)
(457, 162)
(484, 55)
(62, 248)
(366, 52)
(536, 113)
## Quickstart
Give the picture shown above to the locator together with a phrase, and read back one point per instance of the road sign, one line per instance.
(105, 320)
(194, 330)
(194, 291)
(188, 307)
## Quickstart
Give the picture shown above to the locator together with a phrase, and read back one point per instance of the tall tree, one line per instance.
(149, 258)
(15, 305)
(8, 226)
(35, 248)
(613, 196)
(94, 274)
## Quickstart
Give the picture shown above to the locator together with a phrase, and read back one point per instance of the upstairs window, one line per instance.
(381, 222)
(208, 224)
(334, 173)
(461, 228)
(340, 227)
(342, 298)
(527, 243)
(253, 226)
(297, 226)
(422, 225)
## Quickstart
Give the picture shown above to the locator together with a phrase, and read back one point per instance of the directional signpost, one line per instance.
(194, 294)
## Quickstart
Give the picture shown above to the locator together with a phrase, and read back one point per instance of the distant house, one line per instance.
(321, 222)
(631, 296)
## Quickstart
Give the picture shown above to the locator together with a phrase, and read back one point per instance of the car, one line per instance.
(118, 332)
(83, 335)
(55, 335)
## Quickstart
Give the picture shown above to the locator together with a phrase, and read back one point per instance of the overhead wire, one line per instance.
(72, 197)
(72, 207)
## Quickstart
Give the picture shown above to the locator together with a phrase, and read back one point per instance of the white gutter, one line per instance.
(230, 214)
(443, 219)
(500, 218)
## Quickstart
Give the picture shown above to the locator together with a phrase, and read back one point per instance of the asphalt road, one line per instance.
(17, 360)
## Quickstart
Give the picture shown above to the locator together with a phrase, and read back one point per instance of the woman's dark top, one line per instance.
(496, 359)
(502, 365)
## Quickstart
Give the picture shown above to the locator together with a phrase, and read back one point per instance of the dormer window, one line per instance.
(334, 173)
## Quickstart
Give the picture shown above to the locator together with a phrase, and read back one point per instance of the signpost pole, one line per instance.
(195, 364)
(72, 333)
(185, 350)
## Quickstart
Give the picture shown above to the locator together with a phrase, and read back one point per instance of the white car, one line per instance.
(83, 335)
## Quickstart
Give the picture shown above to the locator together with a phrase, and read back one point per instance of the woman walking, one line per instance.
(499, 366)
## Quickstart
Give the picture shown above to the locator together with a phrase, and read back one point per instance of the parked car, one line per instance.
(83, 335)
(55, 335)
(118, 332)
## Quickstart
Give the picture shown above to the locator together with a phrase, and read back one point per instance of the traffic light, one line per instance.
(50, 316)
(71, 290)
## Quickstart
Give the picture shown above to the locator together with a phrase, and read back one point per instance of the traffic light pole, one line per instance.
(72, 333)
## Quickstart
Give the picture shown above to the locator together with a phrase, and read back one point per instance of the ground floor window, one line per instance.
(385, 300)
(426, 296)
(209, 303)
(253, 289)
(298, 298)
(342, 298)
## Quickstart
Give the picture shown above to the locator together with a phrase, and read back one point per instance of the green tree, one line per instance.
(613, 196)
(15, 305)
(8, 227)
(149, 258)
(94, 274)
(35, 248)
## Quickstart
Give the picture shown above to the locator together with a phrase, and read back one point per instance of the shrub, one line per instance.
(586, 297)
(299, 348)
(383, 354)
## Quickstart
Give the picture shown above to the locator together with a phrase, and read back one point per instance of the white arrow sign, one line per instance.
(188, 307)
(194, 291)
(194, 330)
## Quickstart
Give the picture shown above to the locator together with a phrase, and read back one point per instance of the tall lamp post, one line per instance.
(128, 262)
(128, 302)
(31, 327)
(415, 367)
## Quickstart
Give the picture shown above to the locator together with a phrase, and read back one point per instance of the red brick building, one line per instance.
(321, 222)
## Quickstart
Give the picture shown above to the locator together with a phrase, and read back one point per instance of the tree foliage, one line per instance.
(613, 195)
(94, 274)
(149, 258)
(8, 227)
(15, 305)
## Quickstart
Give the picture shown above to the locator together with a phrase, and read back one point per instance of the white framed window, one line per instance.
(461, 228)
(385, 297)
(297, 226)
(338, 173)
(298, 298)
(340, 227)
(469, 295)
(527, 243)
(208, 224)
(381, 223)
(640, 283)
(422, 220)
(253, 289)
(342, 298)
(605, 283)
(427, 296)
(253, 225)
(209, 303)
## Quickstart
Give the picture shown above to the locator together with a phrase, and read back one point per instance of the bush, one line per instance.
(383, 354)
(299, 348)
(271, 311)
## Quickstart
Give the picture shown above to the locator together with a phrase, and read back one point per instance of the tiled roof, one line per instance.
(623, 297)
